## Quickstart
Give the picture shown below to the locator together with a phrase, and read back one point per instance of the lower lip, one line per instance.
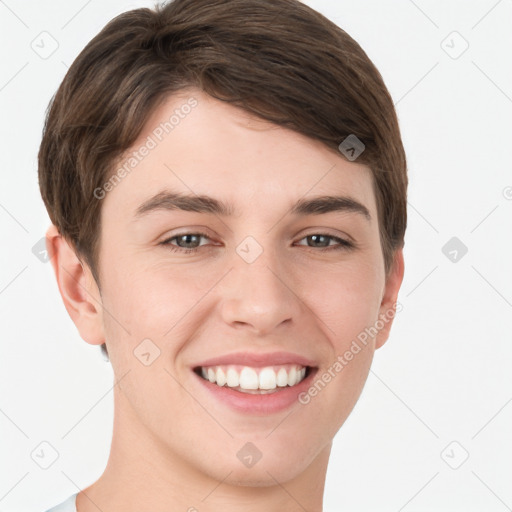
(258, 403)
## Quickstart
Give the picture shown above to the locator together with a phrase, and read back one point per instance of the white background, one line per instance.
(444, 375)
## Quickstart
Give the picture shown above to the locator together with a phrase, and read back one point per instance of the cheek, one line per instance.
(158, 300)
(151, 301)
(347, 300)
(348, 304)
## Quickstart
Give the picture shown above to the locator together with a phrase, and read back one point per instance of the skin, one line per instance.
(174, 447)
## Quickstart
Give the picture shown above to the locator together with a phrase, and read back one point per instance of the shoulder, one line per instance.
(66, 506)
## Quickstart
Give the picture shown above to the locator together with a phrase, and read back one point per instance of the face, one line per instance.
(228, 292)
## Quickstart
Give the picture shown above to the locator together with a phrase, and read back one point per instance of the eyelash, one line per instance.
(342, 244)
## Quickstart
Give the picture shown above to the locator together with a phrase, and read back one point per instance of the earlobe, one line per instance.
(77, 288)
(388, 308)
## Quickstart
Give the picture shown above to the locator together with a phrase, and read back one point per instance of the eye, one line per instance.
(186, 242)
(190, 242)
(323, 241)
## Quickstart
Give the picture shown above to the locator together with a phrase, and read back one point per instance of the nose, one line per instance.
(260, 296)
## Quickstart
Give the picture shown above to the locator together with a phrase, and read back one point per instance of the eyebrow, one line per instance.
(167, 200)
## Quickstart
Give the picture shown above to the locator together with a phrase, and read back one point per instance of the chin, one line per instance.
(274, 465)
(262, 477)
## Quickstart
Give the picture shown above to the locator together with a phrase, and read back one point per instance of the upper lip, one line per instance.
(257, 359)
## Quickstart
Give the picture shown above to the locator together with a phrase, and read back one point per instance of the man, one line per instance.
(227, 188)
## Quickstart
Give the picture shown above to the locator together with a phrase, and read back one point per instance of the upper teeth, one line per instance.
(246, 377)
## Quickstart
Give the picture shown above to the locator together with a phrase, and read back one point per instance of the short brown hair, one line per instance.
(277, 59)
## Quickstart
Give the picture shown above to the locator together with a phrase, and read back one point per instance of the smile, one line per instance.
(255, 380)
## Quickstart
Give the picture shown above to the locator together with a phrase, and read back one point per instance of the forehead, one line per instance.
(195, 144)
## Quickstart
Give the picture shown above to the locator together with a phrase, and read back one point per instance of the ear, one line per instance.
(77, 287)
(388, 308)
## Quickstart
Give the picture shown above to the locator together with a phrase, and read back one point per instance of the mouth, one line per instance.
(255, 380)
(255, 383)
